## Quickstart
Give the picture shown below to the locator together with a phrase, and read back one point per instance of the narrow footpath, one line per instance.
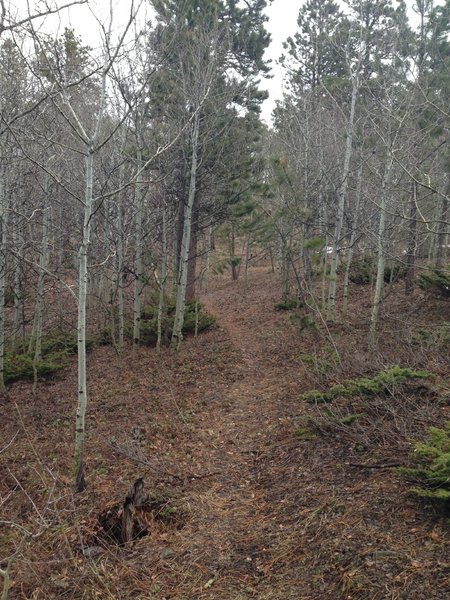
(240, 428)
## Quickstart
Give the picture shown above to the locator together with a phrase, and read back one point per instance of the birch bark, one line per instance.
(83, 278)
(177, 335)
(3, 251)
(162, 283)
(351, 249)
(138, 272)
(341, 201)
(40, 295)
(380, 249)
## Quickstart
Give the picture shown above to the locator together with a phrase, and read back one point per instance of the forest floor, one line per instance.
(259, 494)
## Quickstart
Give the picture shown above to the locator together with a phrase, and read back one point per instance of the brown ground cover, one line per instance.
(245, 507)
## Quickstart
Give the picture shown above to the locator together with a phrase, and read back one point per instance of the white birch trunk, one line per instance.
(177, 335)
(341, 202)
(18, 292)
(381, 258)
(120, 294)
(138, 274)
(82, 294)
(351, 249)
(39, 308)
(3, 250)
(162, 283)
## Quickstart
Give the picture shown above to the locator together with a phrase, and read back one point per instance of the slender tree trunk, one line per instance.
(247, 261)
(120, 261)
(18, 325)
(120, 296)
(411, 252)
(352, 241)
(185, 242)
(175, 259)
(162, 283)
(83, 251)
(138, 271)
(208, 256)
(3, 256)
(341, 202)
(39, 308)
(285, 265)
(61, 268)
(381, 257)
(441, 250)
(234, 266)
(192, 260)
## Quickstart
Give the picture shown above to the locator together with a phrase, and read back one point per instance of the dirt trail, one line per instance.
(238, 430)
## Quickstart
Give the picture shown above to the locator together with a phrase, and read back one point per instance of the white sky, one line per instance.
(282, 23)
(84, 20)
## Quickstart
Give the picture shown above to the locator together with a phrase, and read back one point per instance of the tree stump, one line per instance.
(134, 499)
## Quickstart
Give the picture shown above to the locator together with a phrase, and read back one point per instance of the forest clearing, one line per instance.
(224, 335)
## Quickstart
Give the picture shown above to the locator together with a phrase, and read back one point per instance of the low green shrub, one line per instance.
(305, 434)
(56, 347)
(288, 304)
(20, 366)
(393, 273)
(59, 341)
(438, 337)
(315, 397)
(195, 312)
(309, 428)
(381, 383)
(350, 419)
(436, 282)
(364, 270)
(432, 468)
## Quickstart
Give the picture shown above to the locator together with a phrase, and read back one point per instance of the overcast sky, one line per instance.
(85, 20)
(282, 23)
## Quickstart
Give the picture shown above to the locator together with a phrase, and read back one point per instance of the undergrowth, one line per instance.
(195, 318)
(381, 383)
(436, 282)
(432, 468)
(56, 347)
(364, 271)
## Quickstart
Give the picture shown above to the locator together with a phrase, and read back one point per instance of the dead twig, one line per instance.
(388, 465)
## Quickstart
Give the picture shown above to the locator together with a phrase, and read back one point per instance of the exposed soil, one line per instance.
(255, 512)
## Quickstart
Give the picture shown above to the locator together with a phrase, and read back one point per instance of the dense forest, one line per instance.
(247, 323)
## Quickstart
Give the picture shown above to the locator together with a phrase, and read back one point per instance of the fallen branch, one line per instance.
(388, 465)
(143, 460)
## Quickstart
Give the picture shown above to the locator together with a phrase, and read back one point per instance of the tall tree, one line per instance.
(209, 72)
